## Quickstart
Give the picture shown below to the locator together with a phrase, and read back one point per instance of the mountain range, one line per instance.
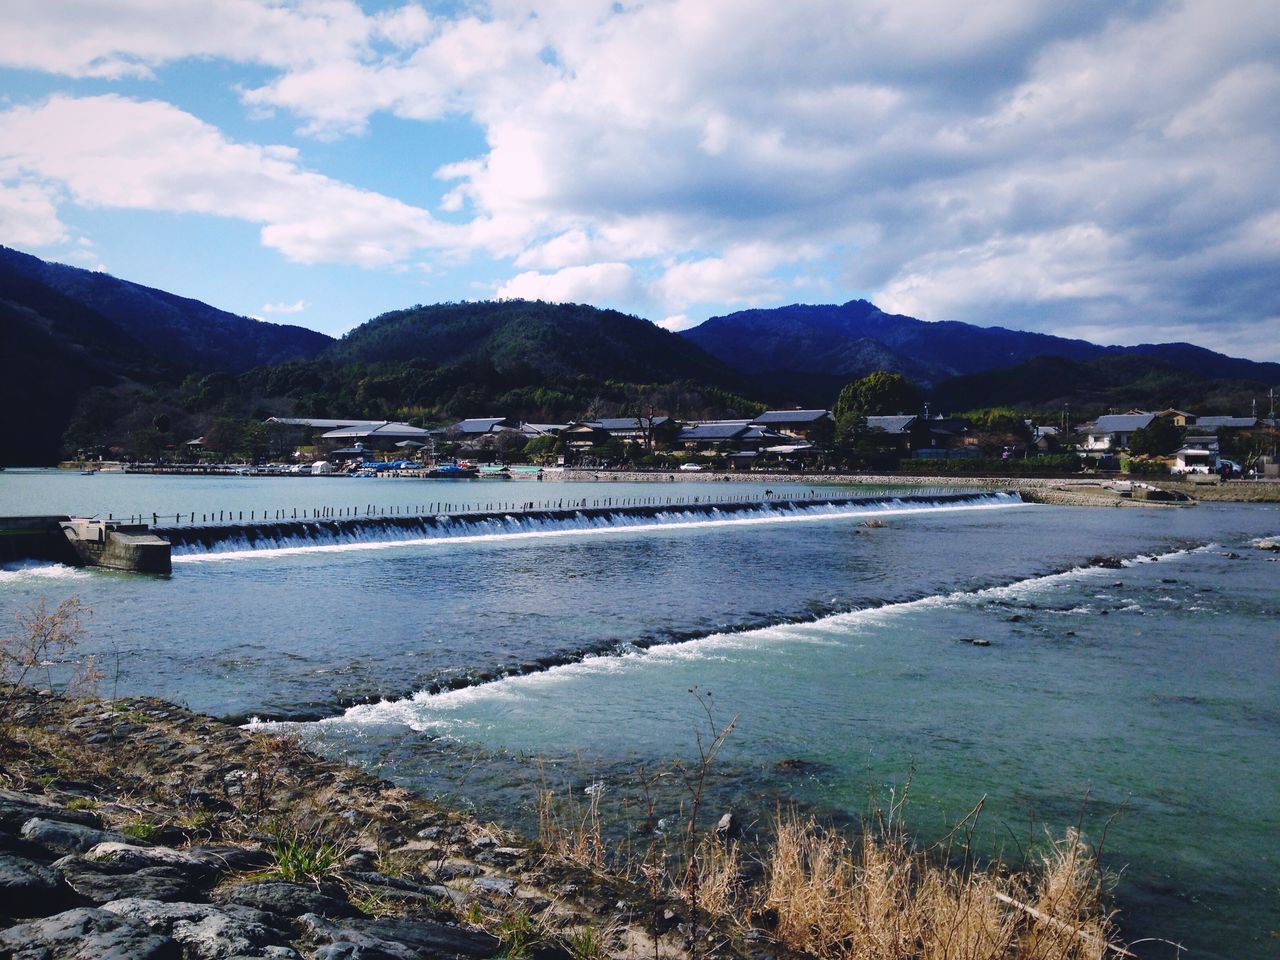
(91, 357)
(814, 349)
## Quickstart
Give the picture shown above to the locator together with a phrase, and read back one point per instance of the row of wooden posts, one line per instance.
(441, 508)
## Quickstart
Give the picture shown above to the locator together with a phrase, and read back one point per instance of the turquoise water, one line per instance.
(1150, 689)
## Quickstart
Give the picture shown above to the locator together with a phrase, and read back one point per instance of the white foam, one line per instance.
(436, 712)
(37, 571)
(599, 526)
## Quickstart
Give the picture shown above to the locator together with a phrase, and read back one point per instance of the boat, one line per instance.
(500, 473)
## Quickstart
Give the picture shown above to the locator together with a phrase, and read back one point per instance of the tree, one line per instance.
(1157, 439)
(881, 393)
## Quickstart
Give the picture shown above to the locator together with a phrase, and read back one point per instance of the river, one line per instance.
(839, 641)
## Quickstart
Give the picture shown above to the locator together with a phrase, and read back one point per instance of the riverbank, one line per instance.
(1069, 491)
(139, 829)
(136, 828)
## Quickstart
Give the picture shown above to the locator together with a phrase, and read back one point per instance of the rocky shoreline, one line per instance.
(137, 829)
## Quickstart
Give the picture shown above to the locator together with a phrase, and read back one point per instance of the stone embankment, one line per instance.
(137, 829)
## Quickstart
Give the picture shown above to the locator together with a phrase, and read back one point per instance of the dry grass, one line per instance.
(882, 900)
(570, 829)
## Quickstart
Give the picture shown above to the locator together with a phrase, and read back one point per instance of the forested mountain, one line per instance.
(90, 361)
(81, 345)
(1116, 381)
(818, 345)
(181, 333)
(558, 340)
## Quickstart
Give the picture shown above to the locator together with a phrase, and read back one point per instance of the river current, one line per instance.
(840, 642)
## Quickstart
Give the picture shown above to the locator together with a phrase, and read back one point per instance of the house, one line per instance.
(480, 426)
(1197, 455)
(1114, 431)
(720, 436)
(1210, 424)
(812, 425)
(1180, 418)
(307, 431)
(383, 435)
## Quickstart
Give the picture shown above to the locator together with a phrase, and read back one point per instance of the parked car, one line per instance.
(690, 467)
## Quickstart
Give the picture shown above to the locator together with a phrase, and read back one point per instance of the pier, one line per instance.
(84, 542)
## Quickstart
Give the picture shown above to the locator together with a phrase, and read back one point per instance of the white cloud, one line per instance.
(296, 307)
(742, 276)
(596, 283)
(677, 321)
(28, 215)
(1068, 166)
(111, 152)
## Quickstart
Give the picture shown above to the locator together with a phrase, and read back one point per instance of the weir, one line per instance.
(213, 537)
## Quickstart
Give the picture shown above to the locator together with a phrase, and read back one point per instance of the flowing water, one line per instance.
(448, 662)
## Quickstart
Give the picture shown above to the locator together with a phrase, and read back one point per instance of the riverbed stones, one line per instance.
(63, 837)
(101, 883)
(285, 899)
(131, 856)
(210, 932)
(30, 889)
(17, 808)
(401, 938)
(86, 933)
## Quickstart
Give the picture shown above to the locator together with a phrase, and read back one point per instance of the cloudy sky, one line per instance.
(1109, 170)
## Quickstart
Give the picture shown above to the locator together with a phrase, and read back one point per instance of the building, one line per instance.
(1114, 431)
(812, 425)
(381, 436)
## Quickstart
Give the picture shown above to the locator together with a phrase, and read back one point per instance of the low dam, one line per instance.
(333, 531)
(138, 547)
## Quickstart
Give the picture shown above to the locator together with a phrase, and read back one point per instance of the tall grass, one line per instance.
(882, 899)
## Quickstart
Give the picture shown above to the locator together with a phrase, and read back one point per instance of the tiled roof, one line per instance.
(1216, 423)
(791, 416)
(898, 424)
(1122, 422)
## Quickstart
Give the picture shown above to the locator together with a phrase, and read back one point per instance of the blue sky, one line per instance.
(1103, 170)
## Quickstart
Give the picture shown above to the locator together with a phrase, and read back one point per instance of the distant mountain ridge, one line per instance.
(66, 332)
(178, 331)
(819, 346)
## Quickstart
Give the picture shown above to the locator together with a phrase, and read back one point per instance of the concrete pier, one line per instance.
(80, 542)
(132, 548)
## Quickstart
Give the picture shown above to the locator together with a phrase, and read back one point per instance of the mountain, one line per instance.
(1122, 381)
(69, 334)
(558, 340)
(813, 347)
(180, 332)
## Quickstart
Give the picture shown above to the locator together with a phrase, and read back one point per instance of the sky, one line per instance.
(1105, 170)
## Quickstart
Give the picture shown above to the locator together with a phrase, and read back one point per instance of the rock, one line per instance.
(1270, 543)
(494, 886)
(86, 934)
(30, 889)
(501, 856)
(101, 883)
(728, 827)
(17, 808)
(1107, 563)
(403, 938)
(12, 843)
(65, 837)
(285, 899)
(208, 932)
(229, 859)
(132, 857)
